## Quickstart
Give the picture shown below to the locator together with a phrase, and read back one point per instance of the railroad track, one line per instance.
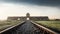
(27, 27)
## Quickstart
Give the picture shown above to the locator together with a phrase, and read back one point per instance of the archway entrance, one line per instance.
(28, 16)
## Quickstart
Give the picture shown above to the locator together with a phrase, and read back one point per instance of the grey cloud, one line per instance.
(37, 2)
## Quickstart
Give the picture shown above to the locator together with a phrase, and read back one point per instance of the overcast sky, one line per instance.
(50, 8)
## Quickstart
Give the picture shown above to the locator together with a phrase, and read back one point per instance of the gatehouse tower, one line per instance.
(28, 16)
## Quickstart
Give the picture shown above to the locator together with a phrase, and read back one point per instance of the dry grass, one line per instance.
(5, 24)
(52, 24)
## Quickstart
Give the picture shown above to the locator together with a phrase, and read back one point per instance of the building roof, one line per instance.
(25, 16)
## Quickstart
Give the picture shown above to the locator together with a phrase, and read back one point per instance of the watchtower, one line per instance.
(27, 15)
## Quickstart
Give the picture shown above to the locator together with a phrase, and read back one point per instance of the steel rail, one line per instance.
(44, 28)
(41, 28)
(11, 27)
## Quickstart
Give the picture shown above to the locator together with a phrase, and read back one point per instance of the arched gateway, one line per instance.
(28, 16)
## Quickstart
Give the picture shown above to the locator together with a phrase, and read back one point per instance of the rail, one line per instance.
(27, 27)
(44, 29)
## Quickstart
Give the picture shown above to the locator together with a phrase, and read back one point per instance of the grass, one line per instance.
(51, 24)
(5, 24)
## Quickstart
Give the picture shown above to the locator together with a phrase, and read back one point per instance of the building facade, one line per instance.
(34, 18)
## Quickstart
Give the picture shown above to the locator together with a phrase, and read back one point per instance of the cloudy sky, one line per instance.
(50, 8)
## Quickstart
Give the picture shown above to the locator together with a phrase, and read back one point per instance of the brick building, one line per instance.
(34, 18)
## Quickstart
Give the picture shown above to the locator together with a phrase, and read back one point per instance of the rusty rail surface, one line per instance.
(35, 28)
(44, 30)
(12, 27)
